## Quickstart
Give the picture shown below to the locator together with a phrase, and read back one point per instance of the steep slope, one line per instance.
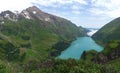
(110, 31)
(32, 33)
(109, 37)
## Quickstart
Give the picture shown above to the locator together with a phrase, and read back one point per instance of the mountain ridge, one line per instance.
(30, 13)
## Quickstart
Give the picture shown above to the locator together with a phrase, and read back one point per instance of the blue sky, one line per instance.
(86, 13)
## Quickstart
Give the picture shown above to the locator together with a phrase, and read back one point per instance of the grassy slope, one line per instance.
(109, 32)
(40, 38)
(32, 40)
(109, 36)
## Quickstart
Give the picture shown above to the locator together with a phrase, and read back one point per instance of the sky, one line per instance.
(85, 13)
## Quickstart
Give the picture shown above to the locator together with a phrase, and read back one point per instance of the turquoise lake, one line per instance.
(78, 46)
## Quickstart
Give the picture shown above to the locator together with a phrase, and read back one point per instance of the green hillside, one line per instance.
(30, 42)
(34, 37)
(106, 61)
(109, 37)
(110, 31)
(26, 39)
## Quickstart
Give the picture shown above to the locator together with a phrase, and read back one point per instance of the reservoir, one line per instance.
(78, 47)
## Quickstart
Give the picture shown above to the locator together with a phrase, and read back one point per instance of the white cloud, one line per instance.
(75, 7)
(92, 1)
(15, 4)
(108, 8)
(96, 11)
(19, 5)
(46, 3)
(109, 4)
(114, 13)
(91, 32)
(76, 12)
(80, 1)
(55, 3)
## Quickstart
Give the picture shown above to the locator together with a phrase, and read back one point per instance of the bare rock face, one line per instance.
(8, 15)
(36, 13)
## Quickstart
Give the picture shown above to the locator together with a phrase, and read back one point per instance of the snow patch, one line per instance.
(26, 14)
(6, 15)
(34, 12)
(28, 17)
(2, 22)
(14, 18)
(47, 19)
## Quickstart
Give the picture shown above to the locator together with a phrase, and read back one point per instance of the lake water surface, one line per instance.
(78, 46)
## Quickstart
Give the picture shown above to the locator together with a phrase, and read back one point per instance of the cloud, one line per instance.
(91, 32)
(75, 7)
(76, 12)
(15, 4)
(96, 11)
(22, 4)
(108, 8)
(109, 4)
(80, 1)
(114, 13)
(57, 3)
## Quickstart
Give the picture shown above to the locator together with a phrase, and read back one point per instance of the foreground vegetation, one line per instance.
(91, 62)
(61, 66)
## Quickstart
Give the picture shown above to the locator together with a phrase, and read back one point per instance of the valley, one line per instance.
(34, 41)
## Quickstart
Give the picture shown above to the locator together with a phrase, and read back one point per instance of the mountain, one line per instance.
(109, 32)
(57, 24)
(32, 35)
(109, 37)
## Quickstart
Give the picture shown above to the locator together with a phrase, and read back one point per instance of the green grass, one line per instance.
(33, 39)
(108, 32)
